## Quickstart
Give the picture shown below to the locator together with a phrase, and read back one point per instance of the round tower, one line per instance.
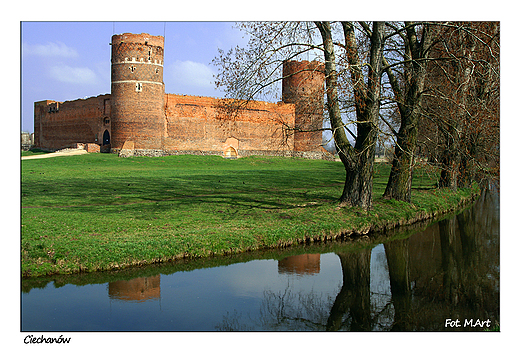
(137, 91)
(303, 85)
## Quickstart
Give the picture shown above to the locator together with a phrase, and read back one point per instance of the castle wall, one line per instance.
(197, 123)
(60, 125)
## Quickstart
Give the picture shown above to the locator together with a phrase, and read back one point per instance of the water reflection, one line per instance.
(398, 259)
(448, 271)
(462, 279)
(300, 264)
(353, 300)
(136, 290)
(404, 281)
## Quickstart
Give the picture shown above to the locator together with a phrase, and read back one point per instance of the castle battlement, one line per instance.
(140, 61)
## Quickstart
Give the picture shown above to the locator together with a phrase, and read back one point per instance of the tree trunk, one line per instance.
(467, 169)
(399, 186)
(450, 160)
(358, 183)
(367, 128)
(358, 160)
(453, 155)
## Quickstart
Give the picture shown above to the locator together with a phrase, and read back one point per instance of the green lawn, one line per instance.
(99, 212)
(33, 152)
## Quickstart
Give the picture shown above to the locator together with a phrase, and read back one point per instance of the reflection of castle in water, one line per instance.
(138, 289)
(301, 264)
(149, 288)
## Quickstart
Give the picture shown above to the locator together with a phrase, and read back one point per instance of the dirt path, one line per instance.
(64, 152)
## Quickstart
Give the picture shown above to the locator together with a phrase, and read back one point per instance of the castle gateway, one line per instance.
(139, 119)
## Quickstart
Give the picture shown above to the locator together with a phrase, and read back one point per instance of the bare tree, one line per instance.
(441, 87)
(463, 102)
(358, 159)
(416, 43)
(247, 73)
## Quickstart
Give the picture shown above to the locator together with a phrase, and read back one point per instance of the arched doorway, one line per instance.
(230, 147)
(106, 138)
(230, 152)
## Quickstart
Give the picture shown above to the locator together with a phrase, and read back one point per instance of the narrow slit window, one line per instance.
(138, 87)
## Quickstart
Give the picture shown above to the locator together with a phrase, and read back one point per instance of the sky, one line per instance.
(64, 61)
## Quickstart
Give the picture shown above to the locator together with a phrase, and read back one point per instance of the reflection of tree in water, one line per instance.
(286, 310)
(353, 300)
(397, 255)
(283, 311)
(462, 280)
(450, 270)
(231, 322)
(464, 257)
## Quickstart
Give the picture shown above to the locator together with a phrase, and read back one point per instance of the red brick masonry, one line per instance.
(139, 113)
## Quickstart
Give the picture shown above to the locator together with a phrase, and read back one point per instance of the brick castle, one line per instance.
(138, 118)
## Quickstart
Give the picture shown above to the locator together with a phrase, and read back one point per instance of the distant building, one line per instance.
(139, 118)
(27, 140)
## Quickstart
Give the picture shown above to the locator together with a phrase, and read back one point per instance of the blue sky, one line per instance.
(70, 60)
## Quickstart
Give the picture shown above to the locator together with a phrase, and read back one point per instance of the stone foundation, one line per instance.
(313, 155)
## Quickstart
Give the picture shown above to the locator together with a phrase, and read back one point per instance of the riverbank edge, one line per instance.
(378, 226)
(384, 226)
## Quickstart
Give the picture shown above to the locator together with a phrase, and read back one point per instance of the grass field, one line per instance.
(99, 212)
(33, 152)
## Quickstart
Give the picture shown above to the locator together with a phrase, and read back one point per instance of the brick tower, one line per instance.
(303, 85)
(137, 91)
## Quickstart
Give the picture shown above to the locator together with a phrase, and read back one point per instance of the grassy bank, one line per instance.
(98, 212)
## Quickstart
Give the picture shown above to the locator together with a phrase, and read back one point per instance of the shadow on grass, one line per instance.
(264, 189)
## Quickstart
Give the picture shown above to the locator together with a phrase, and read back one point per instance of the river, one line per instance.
(433, 276)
